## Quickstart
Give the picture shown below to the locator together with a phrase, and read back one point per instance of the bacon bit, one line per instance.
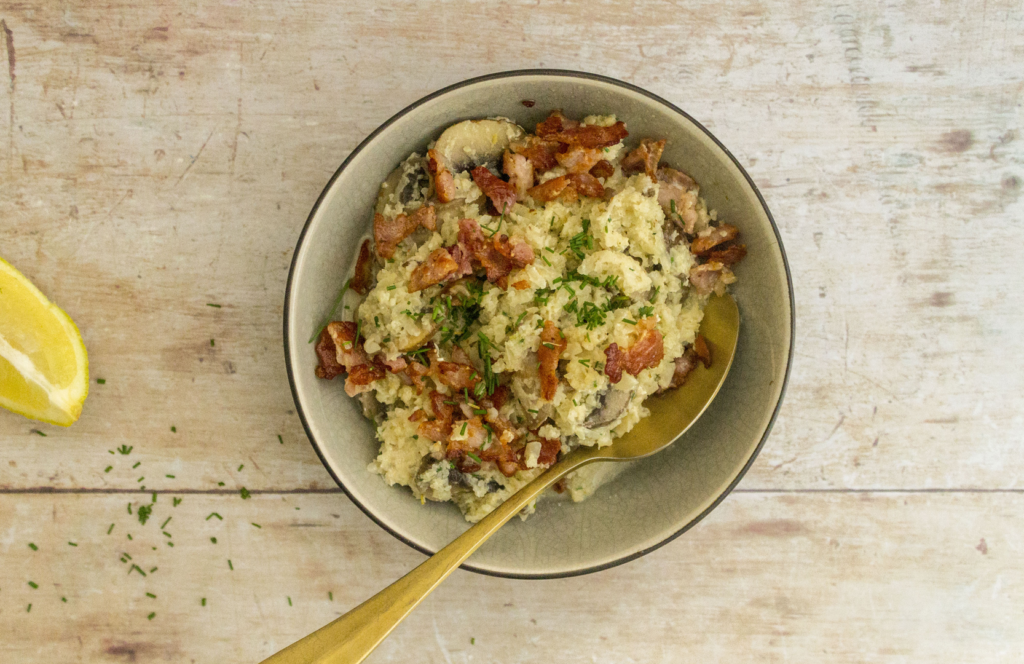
(327, 354)
(603, 169)
(363, 277)
(586, 184)
(522, 284)
(498, 399)
(613, 361)
(578, 160)
(415, 371)
(417, 415)
(645, 157)
(458, 376)
(550, 190)
(541, 153)
(700, 347)
(678, 190)
(438, 267)
(591, 136)
(387, 233)
(552, 345)
(440, 428)
(555, 123)
(645, 353)
(460, 356)
(569, 195)
(444, 181)
(350, 351)
(704, 278)
(475, 436)
(730, 255)
(713, 237)
(685, 363)
(501, 193)
(519, 170)
(528, 103)
(550, 447)
(499, 256)
(360, 377)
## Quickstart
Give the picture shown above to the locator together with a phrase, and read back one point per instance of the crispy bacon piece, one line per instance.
(396, 365)
(458, 376)
(475, 436)
(327, 354)
(591, 136)
(550, 447)
(501, 193)
(645, 157)
(350, 352)
(552, 345)
(438, 267)
(603, 169)
(685, 363)
(700, 347)
(519, 170)
(444, 181)
(439, 428)
(645, 353)
(704, 278)
(586, 184)
(550, 190)
(363, 277)
(713, 237)
(555, 123)
(677, 195)
(729, 255)
(498, 399)
(498, 256)
(360, 377)
(540, 153)
(578, 160)
(418, 415)
(387, 233)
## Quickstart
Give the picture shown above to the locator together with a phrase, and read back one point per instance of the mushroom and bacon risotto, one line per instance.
(525, 293)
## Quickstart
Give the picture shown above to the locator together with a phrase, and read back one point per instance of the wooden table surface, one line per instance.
(158, 157)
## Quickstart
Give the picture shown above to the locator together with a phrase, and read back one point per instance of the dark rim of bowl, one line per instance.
(566, 73)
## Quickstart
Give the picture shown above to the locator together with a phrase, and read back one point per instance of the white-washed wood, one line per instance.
(162, 157)
(805, 577)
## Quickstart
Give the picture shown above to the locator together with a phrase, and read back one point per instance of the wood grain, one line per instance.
(159, 157)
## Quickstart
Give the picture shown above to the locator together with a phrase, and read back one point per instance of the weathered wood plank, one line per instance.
(767, 578)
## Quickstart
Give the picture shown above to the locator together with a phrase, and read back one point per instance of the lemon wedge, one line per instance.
(44, 369)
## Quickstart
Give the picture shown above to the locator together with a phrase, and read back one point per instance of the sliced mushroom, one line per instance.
(472, 143)
(613, 404)
(371, 407)
(404, 185)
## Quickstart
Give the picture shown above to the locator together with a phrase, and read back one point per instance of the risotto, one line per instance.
(523, 295)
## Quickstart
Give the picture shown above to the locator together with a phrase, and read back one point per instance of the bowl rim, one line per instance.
(556, 73)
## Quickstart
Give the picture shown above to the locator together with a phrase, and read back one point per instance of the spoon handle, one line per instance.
(353, 636)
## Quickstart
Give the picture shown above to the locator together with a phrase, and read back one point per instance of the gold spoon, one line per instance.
(353, 636)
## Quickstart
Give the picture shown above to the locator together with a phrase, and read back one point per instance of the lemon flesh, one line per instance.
(44, 369)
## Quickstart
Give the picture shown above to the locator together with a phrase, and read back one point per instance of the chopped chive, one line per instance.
(392, 287)
(64, 599)
(151, 595)
(170, 476)
(29, 609)
(241, 467)
(125, 449)
(257, 525)
(215, 306)
(101, 381)
(33, 546)
(177, 501)
(214, 514)
(244, 493)
(110, 529)
(166, 534)
(164, 524)
(213, 539)
(39, 432)
(141, 478)
(472, 640)
(137, 464)
(129, 508)
(126, 556)
(151, 616)
(279, 439)
(170, 544)
(154, 496)
(330, 595)
(220, 484)
(129, 536)
(473, 457)
(531, 410)
(108, 469)
(631, 322)
(72, 544)
(136, 568)
(33, 584)
(232, 567)
(152, 570)
(174, 429)
(203, 602)
(463, 432)
(212, 343)
(289, 601)
(548, 345)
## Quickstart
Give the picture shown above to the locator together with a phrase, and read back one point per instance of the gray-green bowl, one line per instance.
(655, 500)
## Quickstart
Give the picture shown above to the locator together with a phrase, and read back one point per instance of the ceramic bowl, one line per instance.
(653, 501)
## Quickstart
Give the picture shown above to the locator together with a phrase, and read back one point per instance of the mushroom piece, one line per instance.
(404, 185)
(471, 143)
(371, 407)
(613, 404)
